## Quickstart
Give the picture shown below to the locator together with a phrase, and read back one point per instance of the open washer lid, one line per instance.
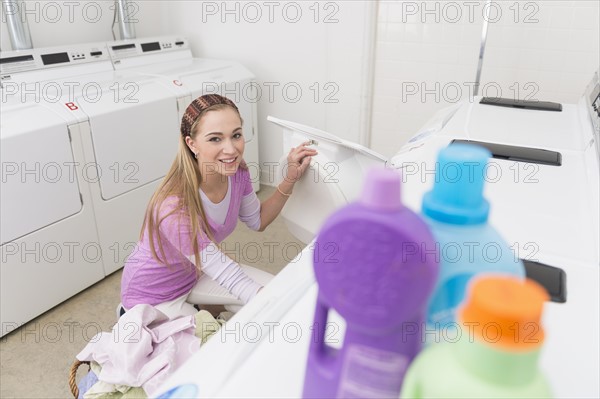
(334, 178)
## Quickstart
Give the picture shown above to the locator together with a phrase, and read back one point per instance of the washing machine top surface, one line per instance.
(275, 329)
(526, 127)
(544, 209)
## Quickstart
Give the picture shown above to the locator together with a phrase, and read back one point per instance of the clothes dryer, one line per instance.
(49, 243)
(129, 130)
(170, 60)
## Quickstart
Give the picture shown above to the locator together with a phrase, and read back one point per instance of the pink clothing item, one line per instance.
(249, 210)
(147, 281)
(143, 348)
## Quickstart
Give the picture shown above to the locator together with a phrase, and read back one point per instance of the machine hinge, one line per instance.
(180, 101)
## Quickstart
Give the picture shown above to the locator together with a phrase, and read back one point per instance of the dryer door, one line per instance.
(135, 131)
(39, 182)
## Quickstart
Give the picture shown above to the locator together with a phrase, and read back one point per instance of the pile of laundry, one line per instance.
(143, 349)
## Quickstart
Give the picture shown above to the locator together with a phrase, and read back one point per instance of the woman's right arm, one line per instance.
(227, 273)
(176, 229)
(298, 161)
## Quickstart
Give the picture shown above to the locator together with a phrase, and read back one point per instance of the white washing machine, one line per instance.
(129, 130)
(542, 182)
(169, 59)
(49, 243)
(131, 144)
(262, 351)
(123, 127)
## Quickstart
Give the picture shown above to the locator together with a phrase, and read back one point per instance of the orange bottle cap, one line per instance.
(505, 311)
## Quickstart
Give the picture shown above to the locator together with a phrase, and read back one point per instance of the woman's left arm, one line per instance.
(298, 161)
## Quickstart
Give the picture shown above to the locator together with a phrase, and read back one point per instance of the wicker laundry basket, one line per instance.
(73, 377)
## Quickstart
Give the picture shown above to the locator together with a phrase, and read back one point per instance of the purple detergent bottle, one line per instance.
(370, 269)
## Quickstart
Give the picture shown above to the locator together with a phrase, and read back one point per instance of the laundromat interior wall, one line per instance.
(308, 57)
(372, 72)
(57, 23)
(427, 56)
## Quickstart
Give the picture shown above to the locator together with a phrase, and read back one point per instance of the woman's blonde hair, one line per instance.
(183, 182)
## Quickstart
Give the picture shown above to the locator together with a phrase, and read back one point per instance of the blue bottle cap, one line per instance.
(457, 195)
(181, 391)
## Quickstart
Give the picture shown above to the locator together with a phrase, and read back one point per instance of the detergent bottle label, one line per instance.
(442, 309)
(370, 373)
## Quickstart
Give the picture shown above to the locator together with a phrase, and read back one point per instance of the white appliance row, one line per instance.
(548, 212)
(87, 133)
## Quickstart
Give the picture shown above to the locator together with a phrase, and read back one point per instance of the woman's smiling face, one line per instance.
(219, 142)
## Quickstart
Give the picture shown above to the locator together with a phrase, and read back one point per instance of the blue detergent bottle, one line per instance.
(457, 215)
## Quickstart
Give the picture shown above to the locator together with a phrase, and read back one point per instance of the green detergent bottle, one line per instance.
(494, 353)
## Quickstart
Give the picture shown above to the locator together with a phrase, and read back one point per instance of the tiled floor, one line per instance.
(35, 360)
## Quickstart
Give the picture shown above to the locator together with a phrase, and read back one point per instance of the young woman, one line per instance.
(177, 262)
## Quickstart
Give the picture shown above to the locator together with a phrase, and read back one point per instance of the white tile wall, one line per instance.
(550, 45)
(62, 22)
(546, 50)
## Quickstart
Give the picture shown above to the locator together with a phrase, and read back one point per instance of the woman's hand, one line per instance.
(298, 161)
